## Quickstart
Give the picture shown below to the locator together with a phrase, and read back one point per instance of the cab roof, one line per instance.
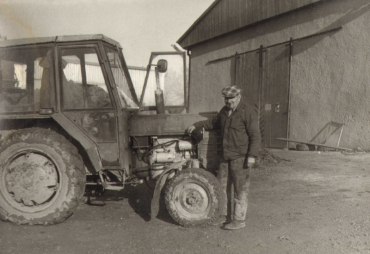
(56, 39)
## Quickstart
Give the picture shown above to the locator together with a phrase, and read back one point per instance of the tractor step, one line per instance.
(107, 184)
(113, 186)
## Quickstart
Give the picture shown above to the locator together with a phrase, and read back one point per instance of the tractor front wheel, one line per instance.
(193, 197)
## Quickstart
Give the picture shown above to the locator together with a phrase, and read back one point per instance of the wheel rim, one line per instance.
(192, 200)
(30, 181)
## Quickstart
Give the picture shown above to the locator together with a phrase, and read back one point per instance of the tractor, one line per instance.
(70, 119)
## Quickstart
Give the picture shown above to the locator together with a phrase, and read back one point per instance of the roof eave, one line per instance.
(205, 13)
(237, 29)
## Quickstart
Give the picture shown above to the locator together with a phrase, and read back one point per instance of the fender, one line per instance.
(154, 206)
(76, 133)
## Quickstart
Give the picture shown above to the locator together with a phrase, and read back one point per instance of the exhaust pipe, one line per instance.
(159, 99)
(160, 70)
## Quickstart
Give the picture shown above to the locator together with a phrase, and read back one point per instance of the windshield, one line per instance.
(172, 82)
(125, 95)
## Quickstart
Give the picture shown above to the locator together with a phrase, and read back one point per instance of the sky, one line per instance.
(140, 26)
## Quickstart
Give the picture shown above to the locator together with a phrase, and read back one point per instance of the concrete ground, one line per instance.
(309, 202)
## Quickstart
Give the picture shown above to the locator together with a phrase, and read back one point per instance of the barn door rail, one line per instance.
(333, 30)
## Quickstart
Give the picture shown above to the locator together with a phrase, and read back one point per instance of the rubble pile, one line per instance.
(268, 158)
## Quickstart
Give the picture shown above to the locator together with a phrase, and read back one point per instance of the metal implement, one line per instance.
(316, 144)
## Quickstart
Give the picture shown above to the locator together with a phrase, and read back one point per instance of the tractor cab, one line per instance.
(80, 82)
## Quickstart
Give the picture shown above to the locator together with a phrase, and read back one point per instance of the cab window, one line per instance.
(171, 82)
(125, 92)
(83, 82)
(26, 79)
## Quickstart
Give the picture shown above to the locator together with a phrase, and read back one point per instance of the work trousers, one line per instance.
(234, 173)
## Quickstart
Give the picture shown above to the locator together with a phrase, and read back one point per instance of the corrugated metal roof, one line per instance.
(64, 38)
(225, 16)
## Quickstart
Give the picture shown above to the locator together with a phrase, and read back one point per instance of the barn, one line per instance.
(304, 64)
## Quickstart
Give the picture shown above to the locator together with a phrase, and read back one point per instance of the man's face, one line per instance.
(231, 103)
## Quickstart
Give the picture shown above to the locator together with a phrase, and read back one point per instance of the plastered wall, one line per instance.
(330, 74)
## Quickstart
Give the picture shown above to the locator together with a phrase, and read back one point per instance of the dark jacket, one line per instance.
(239, 131)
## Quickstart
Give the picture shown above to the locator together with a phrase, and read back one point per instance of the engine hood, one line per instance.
(164, 124)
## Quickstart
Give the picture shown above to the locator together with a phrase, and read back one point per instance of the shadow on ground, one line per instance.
(139, 198)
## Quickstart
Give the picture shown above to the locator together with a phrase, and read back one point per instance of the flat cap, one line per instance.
(230, 91)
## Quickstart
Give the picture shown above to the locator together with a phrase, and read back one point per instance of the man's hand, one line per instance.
(190, 129)
(251, 161)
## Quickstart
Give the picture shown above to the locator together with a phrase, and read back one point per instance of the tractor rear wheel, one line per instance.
(193, 197)
(42, 177)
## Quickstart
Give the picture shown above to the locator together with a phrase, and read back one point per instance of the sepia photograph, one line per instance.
(184, 126)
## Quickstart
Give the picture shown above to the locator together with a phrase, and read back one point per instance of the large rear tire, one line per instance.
(42, 177)
(193, 197)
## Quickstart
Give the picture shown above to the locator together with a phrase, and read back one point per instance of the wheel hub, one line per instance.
(194, 199)
(31, 179)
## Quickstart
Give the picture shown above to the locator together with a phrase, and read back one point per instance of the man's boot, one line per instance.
(235, 224)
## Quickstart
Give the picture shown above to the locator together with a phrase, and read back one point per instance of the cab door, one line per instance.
(86, 98)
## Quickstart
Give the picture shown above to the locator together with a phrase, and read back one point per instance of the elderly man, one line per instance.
(239, 129)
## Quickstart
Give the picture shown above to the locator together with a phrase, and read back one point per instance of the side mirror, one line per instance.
(162, 65)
